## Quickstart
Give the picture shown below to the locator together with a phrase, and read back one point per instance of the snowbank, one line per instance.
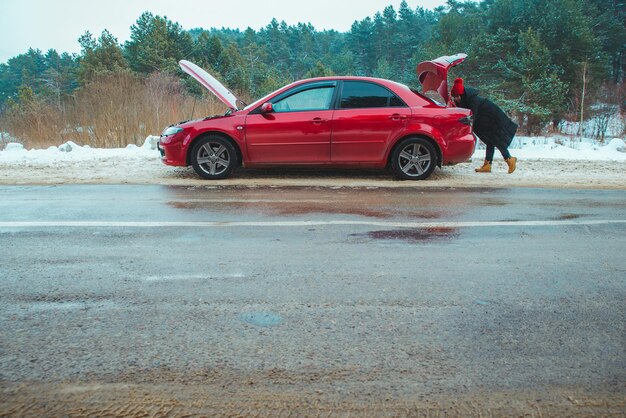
(530, 148)
(542, 162)
(16, 154)
(563, 148)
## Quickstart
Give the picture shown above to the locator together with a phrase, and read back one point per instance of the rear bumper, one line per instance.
(460, 150)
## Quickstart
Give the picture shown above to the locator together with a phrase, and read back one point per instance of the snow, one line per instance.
(13, 147)
(539, 148)
(542, 162)
(15, 154)
(614, 122)
(564, 148)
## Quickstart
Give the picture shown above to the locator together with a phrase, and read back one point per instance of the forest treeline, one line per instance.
(544, 61)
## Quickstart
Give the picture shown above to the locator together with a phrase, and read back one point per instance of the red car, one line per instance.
(329, 121)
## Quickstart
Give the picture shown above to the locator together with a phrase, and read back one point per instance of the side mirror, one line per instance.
(267, 108)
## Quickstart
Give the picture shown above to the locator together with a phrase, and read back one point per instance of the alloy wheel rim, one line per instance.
(414, 160)
(213, 158)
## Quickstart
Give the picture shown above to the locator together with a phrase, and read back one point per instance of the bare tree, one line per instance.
(582, 99)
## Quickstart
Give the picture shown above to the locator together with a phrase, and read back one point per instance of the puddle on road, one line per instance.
(282, 208)
(262, 319)
(567, 216)
(493, 202)
(411, 235)
(184, 205)
(365, 204)
(305, 209)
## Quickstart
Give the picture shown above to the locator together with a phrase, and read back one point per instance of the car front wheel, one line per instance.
(213, 157)
(413, 159)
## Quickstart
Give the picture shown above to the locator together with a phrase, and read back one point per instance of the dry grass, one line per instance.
(123, 108)
(110, 112)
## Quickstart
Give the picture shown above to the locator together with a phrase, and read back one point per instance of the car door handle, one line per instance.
(397, 116)
(317, 121)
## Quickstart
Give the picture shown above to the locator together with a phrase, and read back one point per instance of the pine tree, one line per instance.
(29, 69)
(542, 93)
(99, 56)
(319, 71)
(208, 52)
(234, 70)
(157, 44)
(362, 46)
(61, 75)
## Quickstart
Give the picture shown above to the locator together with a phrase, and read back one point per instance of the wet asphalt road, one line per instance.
(404, 292)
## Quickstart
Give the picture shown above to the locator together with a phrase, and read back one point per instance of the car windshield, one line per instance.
(261, 100)
(264, 98)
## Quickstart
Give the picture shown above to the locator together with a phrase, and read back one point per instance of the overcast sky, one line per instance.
(46, 24)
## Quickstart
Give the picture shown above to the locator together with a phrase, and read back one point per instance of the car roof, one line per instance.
(349, 78)
(409, 96)
(400, 89)
(394, 85)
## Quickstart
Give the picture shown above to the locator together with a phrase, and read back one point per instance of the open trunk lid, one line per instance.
(433, 75)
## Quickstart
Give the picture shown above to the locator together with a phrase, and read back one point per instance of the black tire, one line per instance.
(213, 157)
(413, 159)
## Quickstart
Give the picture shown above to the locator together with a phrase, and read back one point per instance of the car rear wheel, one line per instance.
(213, 157)
(413, 159)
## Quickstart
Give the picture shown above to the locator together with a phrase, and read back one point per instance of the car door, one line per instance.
(297, 129)
(367, 118)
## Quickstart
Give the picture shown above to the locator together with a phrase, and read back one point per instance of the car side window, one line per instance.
(313, 99)
(357, 94)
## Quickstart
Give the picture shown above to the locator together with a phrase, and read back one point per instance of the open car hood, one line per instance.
(208, 81)
(433, 75)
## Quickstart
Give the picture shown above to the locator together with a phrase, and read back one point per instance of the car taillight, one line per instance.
(466, 120)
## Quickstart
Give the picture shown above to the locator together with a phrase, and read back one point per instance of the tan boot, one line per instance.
(486, 168)
(511, 162)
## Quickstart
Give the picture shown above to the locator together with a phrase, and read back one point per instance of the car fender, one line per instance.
(196, 135)
(425, 131)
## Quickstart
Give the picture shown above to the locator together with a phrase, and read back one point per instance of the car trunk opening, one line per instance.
(433, 75)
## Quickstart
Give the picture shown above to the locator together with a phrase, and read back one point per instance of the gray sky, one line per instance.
(46, 24)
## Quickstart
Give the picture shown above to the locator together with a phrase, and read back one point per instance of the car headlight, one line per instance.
(171, 130)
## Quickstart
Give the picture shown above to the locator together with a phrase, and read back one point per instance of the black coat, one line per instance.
(491, 124)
